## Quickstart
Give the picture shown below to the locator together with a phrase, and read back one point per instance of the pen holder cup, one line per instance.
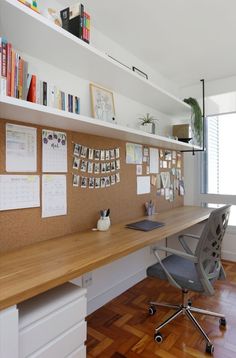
(103, 223)
(150, 210)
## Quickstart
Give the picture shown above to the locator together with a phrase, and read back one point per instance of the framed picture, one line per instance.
(102, 103)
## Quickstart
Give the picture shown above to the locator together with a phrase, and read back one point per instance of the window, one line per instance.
(219, 168)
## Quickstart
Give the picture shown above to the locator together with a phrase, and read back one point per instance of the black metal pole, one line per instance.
(203, 123)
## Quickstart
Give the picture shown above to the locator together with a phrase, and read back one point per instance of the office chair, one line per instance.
(193, 271)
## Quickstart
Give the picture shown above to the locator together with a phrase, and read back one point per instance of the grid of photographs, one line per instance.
(104, 164)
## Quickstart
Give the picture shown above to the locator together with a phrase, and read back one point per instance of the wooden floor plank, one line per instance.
(123, 329)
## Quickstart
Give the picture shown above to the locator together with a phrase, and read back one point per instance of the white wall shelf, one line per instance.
(35, 35)
(23, 111)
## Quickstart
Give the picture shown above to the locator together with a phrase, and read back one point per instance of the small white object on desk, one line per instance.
(103, 223)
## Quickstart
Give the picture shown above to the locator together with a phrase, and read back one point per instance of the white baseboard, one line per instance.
(114, 291)
(228, 255)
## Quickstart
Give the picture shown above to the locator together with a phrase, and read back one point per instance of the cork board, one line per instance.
(25, 226)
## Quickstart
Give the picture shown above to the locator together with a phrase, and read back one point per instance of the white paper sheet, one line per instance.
(54, 195)
(143, 185)
(19, 191)
(54, 151)
(21, 148)
(154, 161)
(134, 153)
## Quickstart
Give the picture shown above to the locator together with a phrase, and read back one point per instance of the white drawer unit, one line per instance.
(52, 325)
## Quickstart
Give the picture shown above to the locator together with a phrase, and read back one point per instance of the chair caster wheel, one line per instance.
(152, 310)
(158, 337)
(209, 348)
(222, 322)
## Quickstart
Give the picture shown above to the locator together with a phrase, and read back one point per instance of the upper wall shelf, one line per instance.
(35, 35)
(23, 111)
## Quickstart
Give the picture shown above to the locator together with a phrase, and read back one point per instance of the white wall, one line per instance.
(113, 279)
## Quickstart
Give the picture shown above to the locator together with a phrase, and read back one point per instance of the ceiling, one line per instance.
(184, 40)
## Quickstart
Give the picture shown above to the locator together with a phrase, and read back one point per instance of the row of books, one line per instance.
(77, 21)
(13, 71)
(15, 81)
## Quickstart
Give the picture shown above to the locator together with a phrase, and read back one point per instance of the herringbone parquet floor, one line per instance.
(123, 329)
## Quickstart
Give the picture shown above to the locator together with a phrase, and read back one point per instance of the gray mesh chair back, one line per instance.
(208, 250)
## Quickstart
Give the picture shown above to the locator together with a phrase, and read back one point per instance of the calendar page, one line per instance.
(54, 145)
(19, 191)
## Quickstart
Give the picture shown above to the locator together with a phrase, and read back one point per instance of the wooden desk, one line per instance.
(26, 272)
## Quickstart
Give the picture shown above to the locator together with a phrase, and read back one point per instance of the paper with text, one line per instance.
(21, 148)
(54, 195)
(54, 145)
(154, 161)
(143, 185)
(19, 191)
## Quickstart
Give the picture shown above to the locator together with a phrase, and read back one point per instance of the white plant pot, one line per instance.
(147, 127)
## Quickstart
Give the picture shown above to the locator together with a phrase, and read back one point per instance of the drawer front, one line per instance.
(64, 345)
(78, 353)
(41, 332)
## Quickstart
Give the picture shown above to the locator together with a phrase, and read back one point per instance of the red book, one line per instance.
(32, 90)
(9, 55)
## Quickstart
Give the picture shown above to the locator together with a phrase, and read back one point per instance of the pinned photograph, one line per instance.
(161, 153)
(97, 154)
(161, 164)
(103, 182)
(113, 166)
(83, 151)
(164, 164)
(174, 154)
(83, 166)
(118, 164)
(76, 163)
(117, 177)
(103, 167)
(90, 167)
(97, 183)
(96, 168)
(77, 149)
(102, 154)
(112, 153)
(113, 179)
(83, 182)
(169, 165)
(75, 180)
(178, 160)
(145, 151)
(139, 169)
(108, 167)
(117, 151)
(107, 181)
(173, 161)
(91, 183)
(107, 155)
(167, 155)
(90, 153)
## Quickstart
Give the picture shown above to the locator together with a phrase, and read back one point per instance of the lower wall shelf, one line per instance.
(23, 111)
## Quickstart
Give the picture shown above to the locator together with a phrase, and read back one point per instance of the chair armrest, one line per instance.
(178, 253)
(168, 275)
(190, 235)
(184, 243)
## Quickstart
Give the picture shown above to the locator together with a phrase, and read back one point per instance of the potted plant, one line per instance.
(147, 123)
(196, 120)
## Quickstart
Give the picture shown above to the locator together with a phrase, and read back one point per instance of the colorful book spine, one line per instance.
(32, 90)
(20, 79)
(4, 58)
(9, 59)
(13, 70)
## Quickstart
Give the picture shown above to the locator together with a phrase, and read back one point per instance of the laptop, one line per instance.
(145, 225)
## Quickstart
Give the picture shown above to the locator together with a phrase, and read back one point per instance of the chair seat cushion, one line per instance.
(183, 271)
